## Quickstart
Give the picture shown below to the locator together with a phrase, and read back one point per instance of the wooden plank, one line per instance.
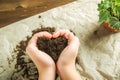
(20, 11)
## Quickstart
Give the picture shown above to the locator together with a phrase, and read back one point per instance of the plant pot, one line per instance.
(109, 28)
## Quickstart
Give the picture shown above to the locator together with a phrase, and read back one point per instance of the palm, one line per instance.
(69, 54)
(40, 58)
(45, 58)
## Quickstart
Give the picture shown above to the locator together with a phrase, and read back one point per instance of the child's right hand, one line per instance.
(66, 62)
(69, 54)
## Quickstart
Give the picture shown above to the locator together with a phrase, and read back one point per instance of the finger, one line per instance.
(61, 33)
(71, 51)
(33, 40)
(70, 37)
(43, 34)
(66, 33)
(74, 44)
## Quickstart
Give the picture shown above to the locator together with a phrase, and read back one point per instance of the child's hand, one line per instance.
(42, 60)
(69, 54)
(66, 62)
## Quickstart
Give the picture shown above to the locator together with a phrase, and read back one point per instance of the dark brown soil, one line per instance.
(53, 47)
(25, 68)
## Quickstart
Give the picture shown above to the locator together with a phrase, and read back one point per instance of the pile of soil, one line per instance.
(52, 46)
(25, 68)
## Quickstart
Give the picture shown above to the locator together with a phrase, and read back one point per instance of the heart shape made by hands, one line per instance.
(53, 46)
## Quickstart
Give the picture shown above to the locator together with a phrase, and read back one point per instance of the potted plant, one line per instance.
(109, 14)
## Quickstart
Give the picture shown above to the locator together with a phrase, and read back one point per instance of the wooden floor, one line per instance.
(15, 10)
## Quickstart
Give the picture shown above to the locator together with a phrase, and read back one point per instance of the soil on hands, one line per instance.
(52, 46)
(25, 68)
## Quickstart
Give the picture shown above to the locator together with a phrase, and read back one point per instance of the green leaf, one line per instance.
(107, 4)
(104, 5)
(104, 16)
(115, 23)
(117, 2)
(109, 10)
